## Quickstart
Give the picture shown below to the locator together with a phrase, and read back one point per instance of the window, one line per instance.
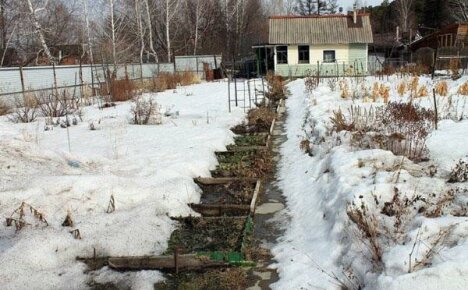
(329, 56)
(303, 54)
(282, 54)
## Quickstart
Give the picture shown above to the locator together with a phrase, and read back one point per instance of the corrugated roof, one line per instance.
(320, 29)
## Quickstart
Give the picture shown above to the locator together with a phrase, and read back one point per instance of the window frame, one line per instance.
(304, 53)
(284, 54)
(329, 51)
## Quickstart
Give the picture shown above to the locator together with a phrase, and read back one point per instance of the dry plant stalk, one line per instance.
(344, 90)
(305, 146)
(76, 234)
(375, 91)
(441, 88)
(20, 213)
(422, 92)
(401, 88)
(414, 86)
(111, 206)
(68, 222)
(463, 89)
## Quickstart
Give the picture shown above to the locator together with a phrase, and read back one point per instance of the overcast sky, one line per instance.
(349, 3)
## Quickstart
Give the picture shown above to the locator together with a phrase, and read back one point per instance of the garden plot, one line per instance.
(118, 182)
(370, 184)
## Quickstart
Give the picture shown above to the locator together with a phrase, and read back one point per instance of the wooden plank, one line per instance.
(244, 148)
(211, 210)
(222, 180)
(184, 262)
(255, 196)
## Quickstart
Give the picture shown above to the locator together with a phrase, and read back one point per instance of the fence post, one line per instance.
(22, 80)
(55, 79)
(81, 80)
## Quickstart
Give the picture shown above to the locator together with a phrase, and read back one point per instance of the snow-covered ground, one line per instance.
(407, 207)
(149, 170)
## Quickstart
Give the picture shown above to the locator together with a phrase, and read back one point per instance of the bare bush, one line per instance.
(145, 112)
(311, 82)
(460, 172)
(24, 110)
(55, 104)
(4, 108)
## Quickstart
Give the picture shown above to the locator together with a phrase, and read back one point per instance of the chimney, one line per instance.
(354, 13)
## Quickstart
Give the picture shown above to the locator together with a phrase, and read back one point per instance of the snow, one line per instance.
(148, 169)
(322, 248)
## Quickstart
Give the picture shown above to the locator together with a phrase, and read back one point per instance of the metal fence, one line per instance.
(15, 80)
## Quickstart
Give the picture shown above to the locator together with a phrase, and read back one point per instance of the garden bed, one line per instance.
(249, 141)
(215, 279)
(205, 234)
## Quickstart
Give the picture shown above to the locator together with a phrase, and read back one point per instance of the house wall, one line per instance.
(349, 57)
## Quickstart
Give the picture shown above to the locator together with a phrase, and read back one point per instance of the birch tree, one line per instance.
(404, 10)
(88, 32)
(150, 31)
(140, 29)
(171, 10)
(38, 28)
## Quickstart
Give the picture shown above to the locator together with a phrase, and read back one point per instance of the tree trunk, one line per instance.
(38, 30)
(150, 29)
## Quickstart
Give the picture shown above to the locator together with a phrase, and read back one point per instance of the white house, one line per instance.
(334, 44)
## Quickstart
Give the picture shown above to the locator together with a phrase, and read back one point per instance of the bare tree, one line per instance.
(405, 10)
(171, 8)
(88, 32)
(459, 10)
(140, 29)
(150, 30)
(38, 28)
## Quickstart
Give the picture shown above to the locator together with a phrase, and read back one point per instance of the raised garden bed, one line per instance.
(215, 279)
(249, 141)
(230, 198)
(205, 234)
(253, 165)
(232, 192)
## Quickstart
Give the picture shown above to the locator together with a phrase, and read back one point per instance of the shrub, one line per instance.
(165, 81)
(25, 109)
(187, 78)
(422, 92)
(54, 105)
(145, 112)
(119, 90)
(460, 172)
(276, 87)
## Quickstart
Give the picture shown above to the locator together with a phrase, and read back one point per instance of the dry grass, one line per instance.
(261, 115)
(422, 92)
(4, 108)
(463, 89)
(375, 91)
(119, 90)
(276, 87)
(441, 88)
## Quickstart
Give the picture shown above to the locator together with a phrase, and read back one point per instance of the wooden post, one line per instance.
(22, 80)
(229, 93)
(176, 262)
(55, 79)
(81, 80)
(436, 117)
